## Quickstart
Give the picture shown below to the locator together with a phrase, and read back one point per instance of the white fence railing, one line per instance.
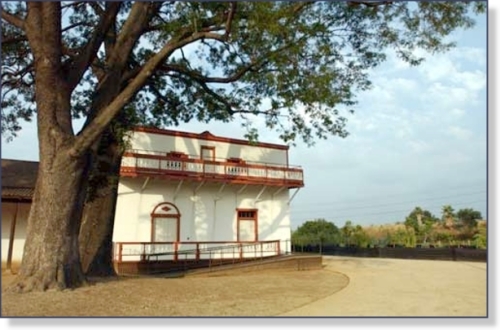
(158, 251)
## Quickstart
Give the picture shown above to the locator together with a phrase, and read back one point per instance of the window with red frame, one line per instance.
(247, 225)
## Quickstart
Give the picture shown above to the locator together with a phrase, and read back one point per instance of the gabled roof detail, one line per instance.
(207, 134)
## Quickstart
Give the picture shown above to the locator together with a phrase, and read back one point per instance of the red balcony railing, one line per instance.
(138, 163)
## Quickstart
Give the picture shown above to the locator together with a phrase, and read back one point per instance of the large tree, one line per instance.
(347, 230)
(422, 222)
(468, 217)
(360, 238)
(318, 231)
(299, 65)
(448, 216)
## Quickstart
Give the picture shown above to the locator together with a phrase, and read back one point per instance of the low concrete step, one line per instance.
(194, 267)
(285, 263)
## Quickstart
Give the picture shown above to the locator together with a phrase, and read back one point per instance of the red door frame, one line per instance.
(255, 218)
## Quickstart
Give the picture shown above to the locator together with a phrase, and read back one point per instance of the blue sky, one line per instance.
(418, 138)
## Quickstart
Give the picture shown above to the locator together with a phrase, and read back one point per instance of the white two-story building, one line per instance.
(185, 196)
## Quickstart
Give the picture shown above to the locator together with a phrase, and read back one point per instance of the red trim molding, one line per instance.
(241, 215)
(176, 216)
(211, 149)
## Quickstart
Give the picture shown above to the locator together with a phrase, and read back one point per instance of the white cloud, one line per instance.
(469, 54)
(403, 132)
(381, 91)
(370, 127)
(437, 68)
(451, 70)
(419, 146)
(459, 132)
(403, 84)
(472, 80)
(442, 96)
(457, 113)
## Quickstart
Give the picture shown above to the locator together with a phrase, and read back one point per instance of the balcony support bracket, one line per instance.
(257, 199)
(241, 189)
(145, 184)
(218, 195)
(199, 186)
(178, 189)
(278, 191)
(293, 196)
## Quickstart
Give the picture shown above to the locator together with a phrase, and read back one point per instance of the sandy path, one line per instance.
(394, 287)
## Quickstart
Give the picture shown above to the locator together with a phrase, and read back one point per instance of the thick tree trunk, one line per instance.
(51, 256)
(96, 230)
(96, 234)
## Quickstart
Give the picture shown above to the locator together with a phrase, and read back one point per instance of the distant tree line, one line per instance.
(421, 228)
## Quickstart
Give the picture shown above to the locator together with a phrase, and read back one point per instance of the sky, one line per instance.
(418, 138)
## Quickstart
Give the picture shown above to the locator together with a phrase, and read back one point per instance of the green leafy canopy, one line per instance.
(299, 65)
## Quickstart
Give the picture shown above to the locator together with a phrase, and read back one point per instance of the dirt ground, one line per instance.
(396, 287)
(265, 294)
(345, 287)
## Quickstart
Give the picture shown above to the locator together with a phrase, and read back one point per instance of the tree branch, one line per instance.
(72, 4)
(98, 69)
(131, 74)
(92, 131)
(230, 109)
(110, 39)
(228, 106)
(201, 78)
(13, 19)
(97, 8)
(21, 73)
(159, 96)
(86, 57)
(69, 27)
(13, 40)
(230, 18)
(368, 3)
(68, 51)
(133, 28)
(301, 6)
(254, 65)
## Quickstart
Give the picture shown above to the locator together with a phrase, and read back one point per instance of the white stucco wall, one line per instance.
(190, 146)
(8, 211)
(203, 217)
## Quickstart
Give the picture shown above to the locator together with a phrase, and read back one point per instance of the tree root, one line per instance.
(43, 282)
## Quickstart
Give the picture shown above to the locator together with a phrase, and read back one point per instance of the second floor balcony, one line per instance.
(179, 166)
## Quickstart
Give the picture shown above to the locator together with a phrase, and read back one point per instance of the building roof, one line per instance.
(17, 193)
(207, 136)
(18, 178)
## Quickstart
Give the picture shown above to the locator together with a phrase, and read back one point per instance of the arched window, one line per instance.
(165, 223)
